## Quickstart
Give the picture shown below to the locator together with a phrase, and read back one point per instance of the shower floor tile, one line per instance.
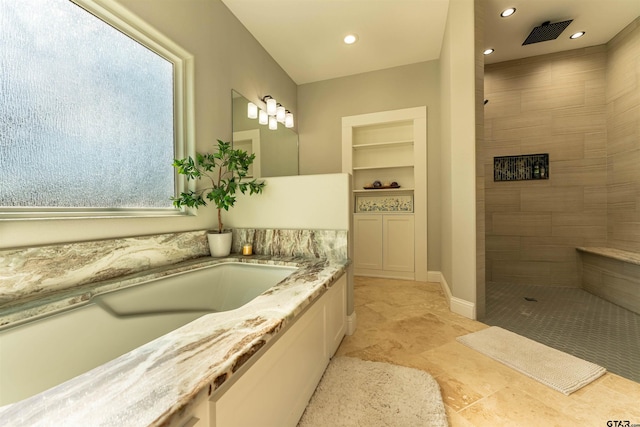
(571, 320)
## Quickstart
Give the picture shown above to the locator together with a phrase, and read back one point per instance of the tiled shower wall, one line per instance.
(623, 134)
(583, 108)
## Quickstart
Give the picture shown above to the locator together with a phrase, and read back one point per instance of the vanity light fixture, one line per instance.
(488, 51)
(288, 119)
(274, 113)
(350, 38)
(280, 113)
(577, 35)
(273, 123)
(263, 117)
(272, 104)
(252, 110)
(508, 12)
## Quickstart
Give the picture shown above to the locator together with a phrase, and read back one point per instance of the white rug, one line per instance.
(356, 392)
(551, 367)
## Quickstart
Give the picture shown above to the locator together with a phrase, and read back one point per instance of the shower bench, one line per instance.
(612, 274)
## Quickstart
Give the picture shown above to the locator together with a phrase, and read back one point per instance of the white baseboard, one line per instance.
(434, 276)
(351, 323)
(463, 308)
(457, 305)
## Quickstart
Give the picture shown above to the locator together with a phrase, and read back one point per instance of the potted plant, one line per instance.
(225, 171)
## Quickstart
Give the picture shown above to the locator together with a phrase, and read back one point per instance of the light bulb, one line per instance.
(508, 12)
(252, 110)
(350, 38)
(288, 120)
(263, 118)
(273, 123)
(271, 106)
(280, 113)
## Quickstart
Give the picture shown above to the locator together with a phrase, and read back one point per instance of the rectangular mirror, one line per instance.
(276, 150)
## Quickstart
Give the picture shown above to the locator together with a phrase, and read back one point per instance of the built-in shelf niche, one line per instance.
(390, 224)
(521, 168)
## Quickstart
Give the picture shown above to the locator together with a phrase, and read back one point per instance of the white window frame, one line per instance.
(140, 31)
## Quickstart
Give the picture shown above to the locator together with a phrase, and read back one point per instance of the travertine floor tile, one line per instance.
(456, 393)
(474, 369)
(409, 323)
(513, 407)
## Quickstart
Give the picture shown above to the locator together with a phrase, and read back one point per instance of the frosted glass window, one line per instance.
(86, 112)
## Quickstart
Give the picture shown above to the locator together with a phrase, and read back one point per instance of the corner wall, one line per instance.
(480, 200)
(458, 207)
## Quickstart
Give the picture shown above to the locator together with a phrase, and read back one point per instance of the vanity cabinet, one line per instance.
(384, 245)
(389, 221)
(275, 385)
(198, 417)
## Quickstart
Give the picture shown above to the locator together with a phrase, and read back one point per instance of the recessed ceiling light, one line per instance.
(488, 52)
(508, 12)
(577, 35)
(351, 38)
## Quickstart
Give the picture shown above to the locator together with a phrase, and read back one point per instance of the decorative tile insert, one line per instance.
(521, 168)
(389, 203)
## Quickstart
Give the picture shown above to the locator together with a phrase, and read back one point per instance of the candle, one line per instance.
(247, 249)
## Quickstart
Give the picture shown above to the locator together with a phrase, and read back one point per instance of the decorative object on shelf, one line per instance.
(521, 168)
(226, 171)
(377, 185)
(398, 203)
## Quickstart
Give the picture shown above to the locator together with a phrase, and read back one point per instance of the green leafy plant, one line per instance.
(225, 170)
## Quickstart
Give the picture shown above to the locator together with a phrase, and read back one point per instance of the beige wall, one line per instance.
(548, 104)
(323, 104)
(623, 132)
(458, 209)
(292, 205)
(226, 57)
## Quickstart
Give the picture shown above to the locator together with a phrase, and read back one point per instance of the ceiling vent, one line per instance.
(547, 31)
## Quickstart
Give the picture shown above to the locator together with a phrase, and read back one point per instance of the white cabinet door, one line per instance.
(368, 241)
(336, 314)
(398, 243)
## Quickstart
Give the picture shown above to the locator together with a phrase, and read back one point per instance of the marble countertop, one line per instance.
(156, 383)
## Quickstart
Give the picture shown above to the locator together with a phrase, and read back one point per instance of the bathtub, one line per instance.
(38, 354)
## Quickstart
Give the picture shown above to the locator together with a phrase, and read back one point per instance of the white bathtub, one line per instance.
(40, 354)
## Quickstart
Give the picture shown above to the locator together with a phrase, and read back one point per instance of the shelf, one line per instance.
(361, 168)
(382, 144)
(383, 213)
(384, 190)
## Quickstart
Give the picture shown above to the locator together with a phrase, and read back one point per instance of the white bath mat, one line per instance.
(551, 367)
(356, 392)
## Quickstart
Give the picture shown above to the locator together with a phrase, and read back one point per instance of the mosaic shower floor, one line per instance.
(571, 320)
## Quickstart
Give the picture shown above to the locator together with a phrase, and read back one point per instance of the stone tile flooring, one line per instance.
(571, 320)
(409, 323)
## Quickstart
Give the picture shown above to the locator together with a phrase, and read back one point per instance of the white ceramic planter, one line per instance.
(220, 244)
